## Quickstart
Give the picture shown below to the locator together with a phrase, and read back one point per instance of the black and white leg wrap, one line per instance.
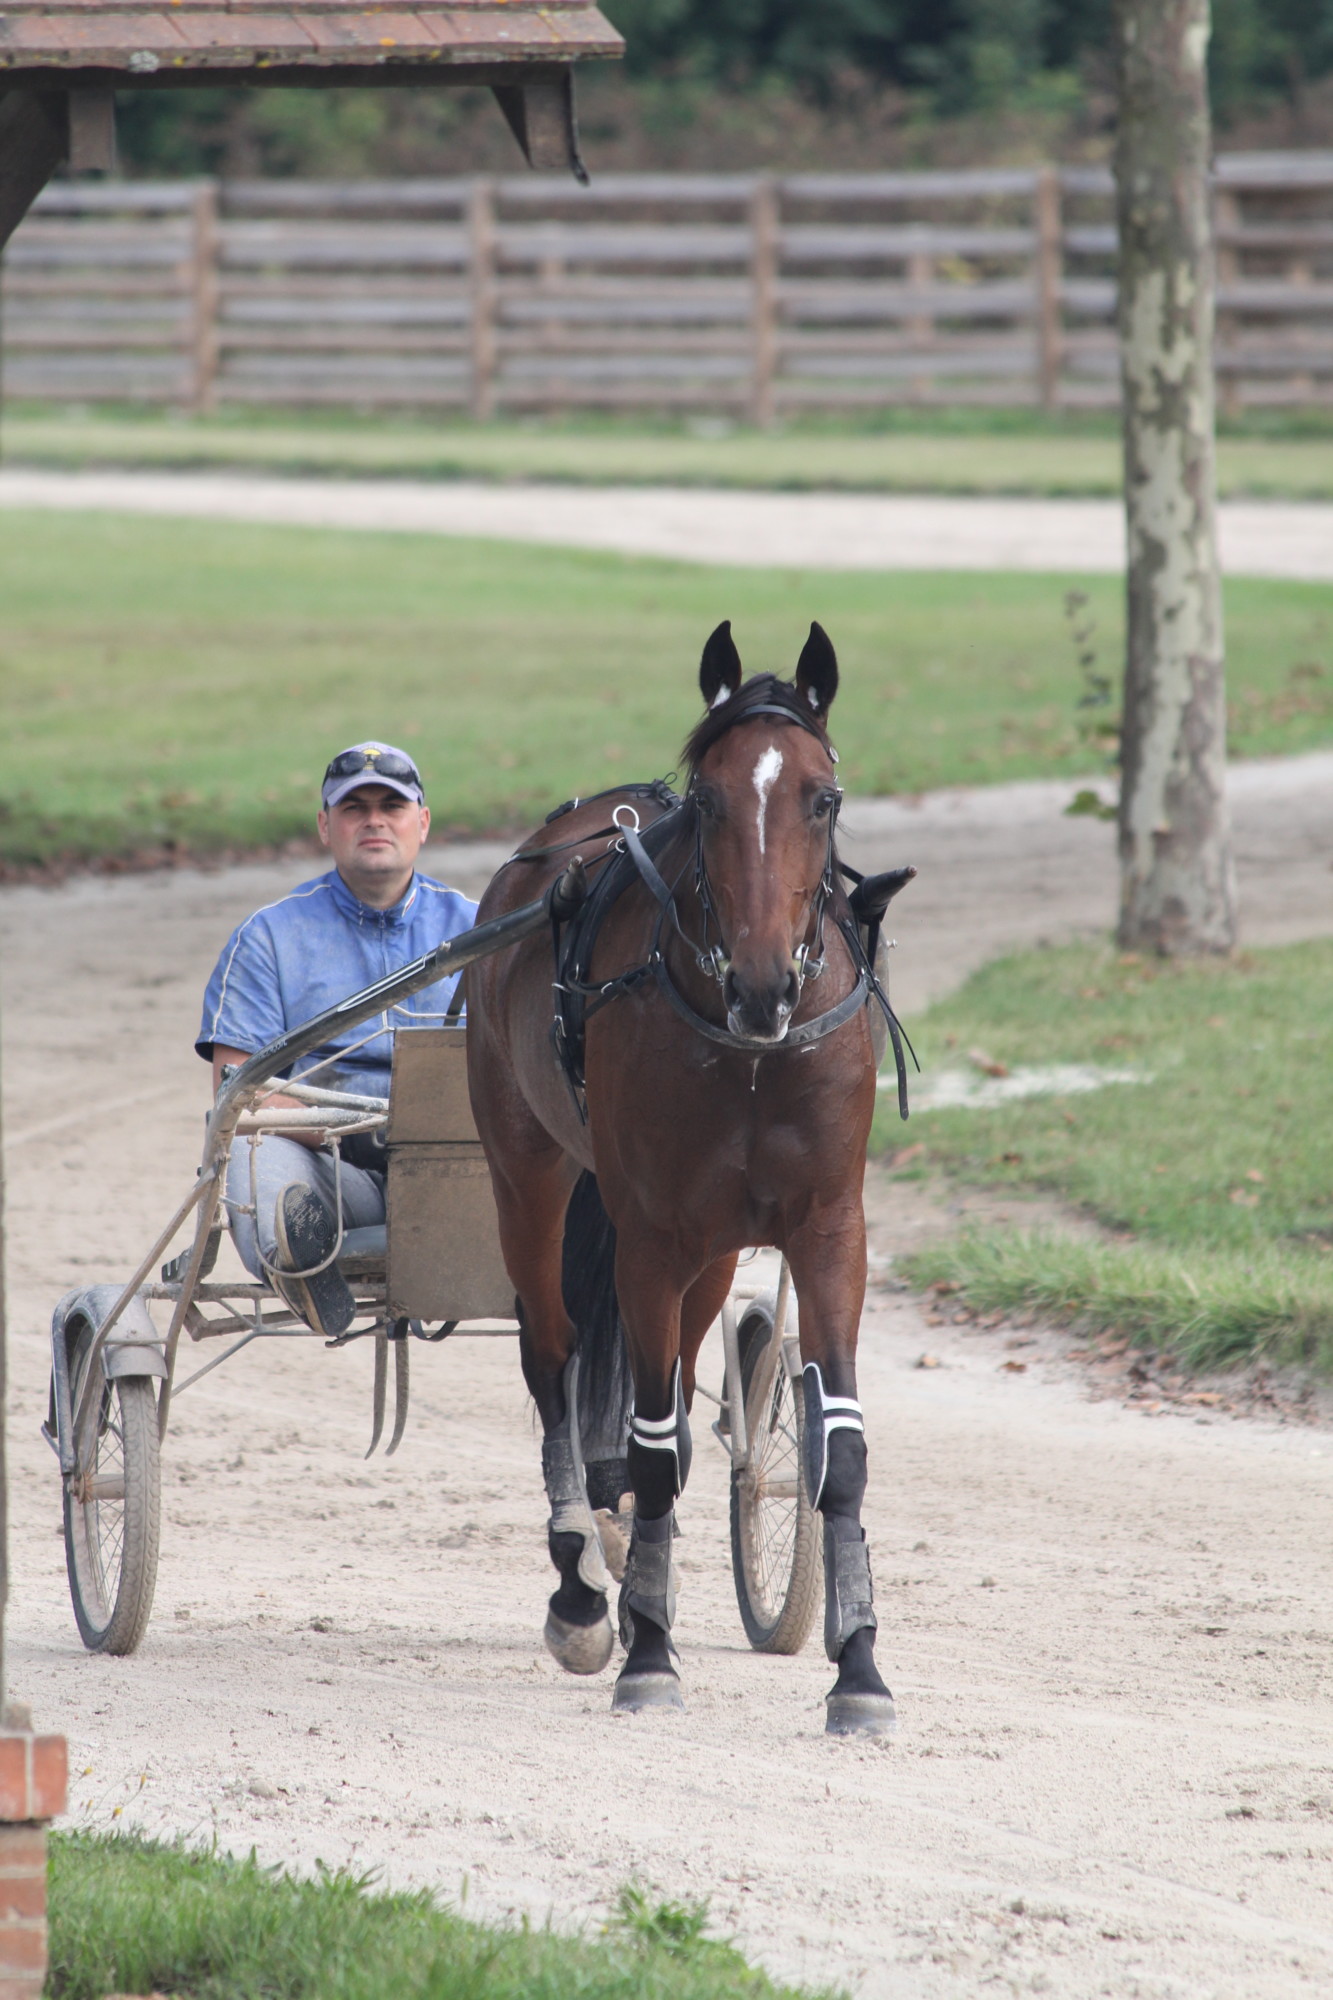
(650, 1576)
(562, 1470)
(667, 1435)
(824, 1414)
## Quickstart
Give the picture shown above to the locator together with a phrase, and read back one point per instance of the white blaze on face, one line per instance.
(765, 777)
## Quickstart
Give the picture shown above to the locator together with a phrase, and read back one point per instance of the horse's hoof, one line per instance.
(635, 1692)
(613, 1532)
(860, 1715)
(580, 1649)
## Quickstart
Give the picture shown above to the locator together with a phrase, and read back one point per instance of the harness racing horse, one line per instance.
(709, 1086)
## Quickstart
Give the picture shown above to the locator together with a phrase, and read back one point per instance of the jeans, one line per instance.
(279, 1162)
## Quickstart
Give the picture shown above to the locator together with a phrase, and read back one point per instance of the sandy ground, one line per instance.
(783, 530)
(1109, 1633)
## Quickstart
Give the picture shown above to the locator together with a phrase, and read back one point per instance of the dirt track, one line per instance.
(840, 531)
(1109, 1634)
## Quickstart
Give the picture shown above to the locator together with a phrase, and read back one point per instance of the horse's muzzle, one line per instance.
(761, 1011)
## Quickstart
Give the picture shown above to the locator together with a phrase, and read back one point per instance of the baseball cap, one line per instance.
(371, 764)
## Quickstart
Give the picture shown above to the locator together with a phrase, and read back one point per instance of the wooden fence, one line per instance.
(746, 295)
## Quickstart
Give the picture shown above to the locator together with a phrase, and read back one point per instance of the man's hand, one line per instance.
(233, 1058)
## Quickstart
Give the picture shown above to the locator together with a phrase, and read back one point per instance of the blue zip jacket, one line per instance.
(294, 958)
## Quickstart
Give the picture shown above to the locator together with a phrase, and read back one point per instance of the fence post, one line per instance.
(920, 326)
(1226, 219)
(481, 235)
(763, 298)
(1050, 270)
(204, 301)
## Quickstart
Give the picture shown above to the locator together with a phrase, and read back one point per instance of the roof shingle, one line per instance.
(232, 35)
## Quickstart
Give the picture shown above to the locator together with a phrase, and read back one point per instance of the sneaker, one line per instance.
(306, 1233)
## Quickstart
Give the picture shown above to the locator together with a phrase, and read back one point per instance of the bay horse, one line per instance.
(721, 1098)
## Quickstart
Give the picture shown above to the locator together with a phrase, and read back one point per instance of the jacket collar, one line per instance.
(356, 911)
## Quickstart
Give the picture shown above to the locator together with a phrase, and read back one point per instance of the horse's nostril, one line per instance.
(731, 992)
(792, 990)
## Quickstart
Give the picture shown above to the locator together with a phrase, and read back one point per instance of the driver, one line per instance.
(372, 913)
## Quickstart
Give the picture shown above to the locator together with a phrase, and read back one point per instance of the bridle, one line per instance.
(577, 997)
(712, 957)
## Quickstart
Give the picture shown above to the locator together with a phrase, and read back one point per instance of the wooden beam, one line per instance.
(542, 118)
(92, 132)
(34, 139)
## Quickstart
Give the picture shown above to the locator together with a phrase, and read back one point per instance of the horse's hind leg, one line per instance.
(531, 1200)
(827, 1257)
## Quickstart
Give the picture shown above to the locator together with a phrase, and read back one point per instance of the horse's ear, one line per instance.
(817, 671)
(720, 667)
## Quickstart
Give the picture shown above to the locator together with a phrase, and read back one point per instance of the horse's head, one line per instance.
(762, 779)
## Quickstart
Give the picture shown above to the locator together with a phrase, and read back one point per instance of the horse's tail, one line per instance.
(588, 1280)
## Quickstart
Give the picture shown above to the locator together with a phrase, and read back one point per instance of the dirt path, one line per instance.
(786, 530)
(1109, 1634)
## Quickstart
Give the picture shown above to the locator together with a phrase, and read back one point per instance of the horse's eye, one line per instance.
(824, 805)
(707, 804)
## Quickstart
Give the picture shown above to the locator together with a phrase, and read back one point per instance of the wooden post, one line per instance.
(481, 231)
(1050, 269)
(34, 139)
(204, 287)
(1177, 887)
(1226, 216)
(92, 132)
(921, 325)
(763, 299)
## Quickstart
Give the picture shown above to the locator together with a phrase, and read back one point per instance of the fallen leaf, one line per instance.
(901, 1159)
(1253, 1174)
(929, 1361)
(986, 1063)
(1013, 1368)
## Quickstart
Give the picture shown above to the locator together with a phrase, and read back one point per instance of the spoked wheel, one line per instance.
(777, 1552)
(111, 1525)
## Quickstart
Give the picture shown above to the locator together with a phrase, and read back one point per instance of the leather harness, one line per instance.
(632, 856)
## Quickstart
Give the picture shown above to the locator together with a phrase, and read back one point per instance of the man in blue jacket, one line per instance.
(372, 913)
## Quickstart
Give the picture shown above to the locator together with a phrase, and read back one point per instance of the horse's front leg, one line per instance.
(827, 1253)
(665, 1322)
(532, 1204)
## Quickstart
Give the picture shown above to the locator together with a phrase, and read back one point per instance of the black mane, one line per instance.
(761, 692)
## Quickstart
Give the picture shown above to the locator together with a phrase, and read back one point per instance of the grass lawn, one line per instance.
(131, 1916)
(888, 452)
(186, 681)
(1215, 1175)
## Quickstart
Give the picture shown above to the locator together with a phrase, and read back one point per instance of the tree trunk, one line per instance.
(1177, 891)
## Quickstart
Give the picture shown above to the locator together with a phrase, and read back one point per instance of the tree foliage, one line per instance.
(695, 65)
(967, 53)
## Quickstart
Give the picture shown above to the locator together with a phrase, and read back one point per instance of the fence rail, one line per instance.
(748, 294)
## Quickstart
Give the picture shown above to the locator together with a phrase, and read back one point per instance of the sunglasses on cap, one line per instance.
(380, 763)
